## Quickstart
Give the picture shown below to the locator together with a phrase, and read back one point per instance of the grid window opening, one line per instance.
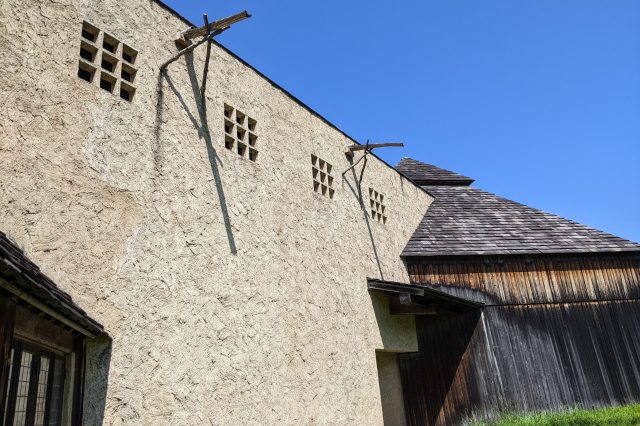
(322, 177)
(127, 91)
(89, 32)
(109, 63)
(107, 82)
(110, 44)
(114, 60)
(86, 71)
(239, 133)
(87, 51)
(228, 142)
(128, 73)
(377, 206)
(129, 55)
(35, 386)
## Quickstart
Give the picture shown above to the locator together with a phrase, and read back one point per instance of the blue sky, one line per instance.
(539, 101)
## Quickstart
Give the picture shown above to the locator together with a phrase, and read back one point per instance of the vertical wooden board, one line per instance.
(533, 357)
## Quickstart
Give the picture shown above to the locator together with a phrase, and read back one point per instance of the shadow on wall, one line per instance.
(397, 332)
(432, 394)
(98, 359)
(357, 192)
(200, 123)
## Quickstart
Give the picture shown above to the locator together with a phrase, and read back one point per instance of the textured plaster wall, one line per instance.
(234, 294)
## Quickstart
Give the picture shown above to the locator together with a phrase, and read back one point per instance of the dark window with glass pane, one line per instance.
(35, 388)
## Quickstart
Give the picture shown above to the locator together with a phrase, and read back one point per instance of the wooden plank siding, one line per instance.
(522, 358)
(555, 332)
(517, 280)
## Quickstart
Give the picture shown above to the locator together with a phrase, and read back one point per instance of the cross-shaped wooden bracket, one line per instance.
(208, 31)
(183, 39)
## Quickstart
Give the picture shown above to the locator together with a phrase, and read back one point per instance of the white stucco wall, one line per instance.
(263, 318)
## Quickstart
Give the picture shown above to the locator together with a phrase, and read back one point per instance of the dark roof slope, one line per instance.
(427, 174)
(467, 221)
(18, 270)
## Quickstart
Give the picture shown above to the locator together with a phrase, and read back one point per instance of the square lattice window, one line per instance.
(377, 206)
(240, 133)
(104, 56)
(322, 177)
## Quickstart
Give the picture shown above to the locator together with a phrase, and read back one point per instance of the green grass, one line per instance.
(627, 415)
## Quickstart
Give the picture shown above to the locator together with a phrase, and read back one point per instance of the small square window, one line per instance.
(378, 208)
(322, 177)
(116, 73)
(128, 73)
(109, 63)
(107, 82)
(240, 118)
(87, 51)
(237, 138)
(89, 32)
(110, 44)
(228, 142)
(241, 149)
(228, 111)
(128, 54)
(228, 127)
(86, 72)
(252, 124)
(127, 91)
(85, 75)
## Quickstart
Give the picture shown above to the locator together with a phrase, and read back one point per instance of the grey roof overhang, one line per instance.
(421, 293)
(23, 279)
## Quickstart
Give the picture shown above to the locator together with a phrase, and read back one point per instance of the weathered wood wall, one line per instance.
(499, 280)
(533, 347)
(523, 358)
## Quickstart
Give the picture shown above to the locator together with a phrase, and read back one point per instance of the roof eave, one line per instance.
(575, 253)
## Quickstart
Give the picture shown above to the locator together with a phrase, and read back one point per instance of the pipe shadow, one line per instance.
(200, 123)
(357, 192)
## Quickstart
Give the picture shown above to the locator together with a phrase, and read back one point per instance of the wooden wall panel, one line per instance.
(523, 358)
(534, 280)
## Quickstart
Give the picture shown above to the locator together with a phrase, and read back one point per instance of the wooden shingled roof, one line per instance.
(427, 174)
(25, 278)
(468, 221)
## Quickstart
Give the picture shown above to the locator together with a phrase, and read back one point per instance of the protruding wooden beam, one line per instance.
(184, 38)
(350, 149)
(412, 309)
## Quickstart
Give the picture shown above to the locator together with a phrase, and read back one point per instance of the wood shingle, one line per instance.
(468, 221)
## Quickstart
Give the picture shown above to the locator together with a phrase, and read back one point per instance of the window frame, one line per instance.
(38, 352)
